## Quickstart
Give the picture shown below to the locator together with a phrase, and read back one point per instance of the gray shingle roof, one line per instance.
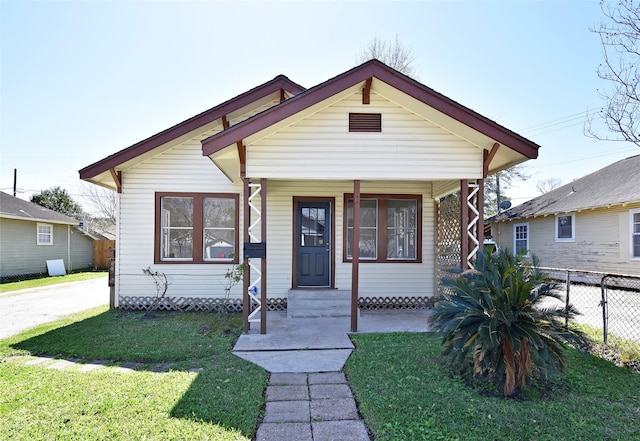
(616, 184)
(12, 207)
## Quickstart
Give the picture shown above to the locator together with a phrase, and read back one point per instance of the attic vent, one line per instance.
(365, 122)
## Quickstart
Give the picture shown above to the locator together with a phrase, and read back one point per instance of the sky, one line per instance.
(81, 80)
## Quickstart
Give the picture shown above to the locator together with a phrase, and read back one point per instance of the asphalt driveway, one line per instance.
(24, 309)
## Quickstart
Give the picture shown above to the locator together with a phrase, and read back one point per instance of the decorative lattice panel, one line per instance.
(448, 240)
(377, 303)
(142, 303)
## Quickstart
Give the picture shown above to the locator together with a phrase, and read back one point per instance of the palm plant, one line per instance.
(498, 317)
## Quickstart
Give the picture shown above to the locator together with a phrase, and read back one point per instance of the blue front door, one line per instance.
(313, 243)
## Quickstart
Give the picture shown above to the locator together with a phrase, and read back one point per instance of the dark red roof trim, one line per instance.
(279, 83)
(372, 68)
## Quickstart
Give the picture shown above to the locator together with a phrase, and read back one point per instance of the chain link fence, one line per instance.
(608, 302)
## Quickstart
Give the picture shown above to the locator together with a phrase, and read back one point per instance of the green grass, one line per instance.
(405, 393)
(45, 281)
(222, 402)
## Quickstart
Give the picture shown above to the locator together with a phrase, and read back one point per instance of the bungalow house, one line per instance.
(31, 234)
(286, 180)
(590, 224)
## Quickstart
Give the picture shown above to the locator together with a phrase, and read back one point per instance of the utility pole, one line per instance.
(15, 181)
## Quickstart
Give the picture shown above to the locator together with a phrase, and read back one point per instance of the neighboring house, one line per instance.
(31, 234)
(592, 223)
(280, 166)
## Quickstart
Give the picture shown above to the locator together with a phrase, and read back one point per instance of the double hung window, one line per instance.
(389, 228)
(521, 238)
(44, 234)
(635, 233)
(196, 227)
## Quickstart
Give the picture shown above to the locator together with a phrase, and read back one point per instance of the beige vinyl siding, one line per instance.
(181, 169)
(321, 147)
(184, 169)
(376, 279)
(601, 243)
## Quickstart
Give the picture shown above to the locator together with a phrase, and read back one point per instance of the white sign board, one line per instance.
(56, 267)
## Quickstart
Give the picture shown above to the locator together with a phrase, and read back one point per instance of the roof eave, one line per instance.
(373, 68)
(281, 82)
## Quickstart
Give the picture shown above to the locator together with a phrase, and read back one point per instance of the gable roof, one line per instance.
(616, 184)
(12, 207)
(449, 112)
(100, 172)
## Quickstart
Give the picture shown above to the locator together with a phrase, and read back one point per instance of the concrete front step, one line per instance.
(304, 303)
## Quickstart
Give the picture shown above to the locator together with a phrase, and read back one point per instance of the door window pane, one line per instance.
(313, 227)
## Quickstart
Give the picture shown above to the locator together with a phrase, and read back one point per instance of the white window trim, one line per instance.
(631, 234)
(526, 224)
(573, 228)
(38, 242)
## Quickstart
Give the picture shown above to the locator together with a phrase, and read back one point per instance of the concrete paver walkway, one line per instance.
(308, 398)
(311, 407)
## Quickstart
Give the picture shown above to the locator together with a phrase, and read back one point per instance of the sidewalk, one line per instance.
(311, 407)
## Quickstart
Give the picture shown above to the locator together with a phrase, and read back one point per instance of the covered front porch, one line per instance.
(355, 279)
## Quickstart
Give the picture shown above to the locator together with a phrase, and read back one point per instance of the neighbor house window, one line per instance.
(565, 228)
(521, 238)
(196, 227)
(44, 234)
(635, 233)
(389, 228)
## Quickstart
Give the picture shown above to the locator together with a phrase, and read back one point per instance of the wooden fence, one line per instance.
(103, 253)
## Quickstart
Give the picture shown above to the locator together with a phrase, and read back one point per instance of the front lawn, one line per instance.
(222, 401)
(405, 393)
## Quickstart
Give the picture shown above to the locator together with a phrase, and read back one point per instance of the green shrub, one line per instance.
(498, 317)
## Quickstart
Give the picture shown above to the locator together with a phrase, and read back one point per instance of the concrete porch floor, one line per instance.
(318, 344)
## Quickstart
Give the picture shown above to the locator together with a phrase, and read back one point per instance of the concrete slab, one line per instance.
(287, 393)
(348, 430)
(285, 432)
(334, 409)
(328, 391)
(284, 378)
(298, 361)
(327, 378)
(297, 333)
(287, 412)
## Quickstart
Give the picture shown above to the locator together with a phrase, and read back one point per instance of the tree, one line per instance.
(497, 320)
(102, 202)
(620, 39)
(496, 184)
(392, 54)
(547, 185)
(58, 199)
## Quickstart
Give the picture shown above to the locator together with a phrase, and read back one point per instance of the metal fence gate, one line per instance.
(609, 302)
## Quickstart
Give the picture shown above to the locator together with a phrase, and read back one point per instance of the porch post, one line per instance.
(263, 263)
(464, 224)
(480, 207)
(246, 301)
(355, 256)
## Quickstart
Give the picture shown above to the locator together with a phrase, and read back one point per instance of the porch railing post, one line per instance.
(355, 256)
(263, 263)
(245, 272)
